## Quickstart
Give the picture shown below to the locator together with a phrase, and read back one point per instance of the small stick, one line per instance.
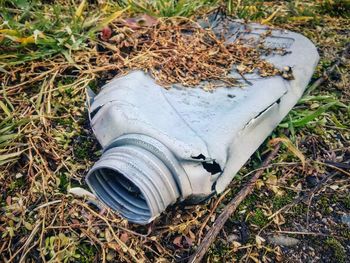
(229, 210)
(212, 212)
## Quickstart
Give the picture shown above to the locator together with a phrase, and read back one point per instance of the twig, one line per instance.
(229, 210)
(308, 210)
(212, 212)
(333, 167)
(47, 204)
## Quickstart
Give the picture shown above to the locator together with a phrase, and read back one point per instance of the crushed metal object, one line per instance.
(161, 145)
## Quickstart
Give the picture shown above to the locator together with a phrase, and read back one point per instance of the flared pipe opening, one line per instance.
(133, 182)
(120, 194)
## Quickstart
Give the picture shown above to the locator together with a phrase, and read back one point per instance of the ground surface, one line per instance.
(295, 214)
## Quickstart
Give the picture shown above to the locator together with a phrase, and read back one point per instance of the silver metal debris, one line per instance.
(161, 145)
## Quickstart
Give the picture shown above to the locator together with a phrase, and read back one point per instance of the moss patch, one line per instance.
(337, 249)
(258, 218)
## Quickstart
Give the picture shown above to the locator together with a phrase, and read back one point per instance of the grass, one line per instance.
(48, 58)
(258, 218)
(169, 8)
(337, 249)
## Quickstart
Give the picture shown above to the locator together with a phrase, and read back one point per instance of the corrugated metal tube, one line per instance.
(134, 182)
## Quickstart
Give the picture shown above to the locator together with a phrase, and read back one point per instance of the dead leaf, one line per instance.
(299, 187)
(241, 68)
(28, 226)
(80, 9)
(259, 183)
(178, 241)
(236, 245)
(131, 23)
(278, 253)
(124, 237)
(271, 183)
(266, 210)
(106, 33)
(147, 20)
(259, 241)
(254, 257)
(108, 235)
(334, 187)
(141, 21)
(8, 200)
(279, 219)
(113, 245)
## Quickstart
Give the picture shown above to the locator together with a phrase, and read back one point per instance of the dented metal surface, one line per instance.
(164, 145)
